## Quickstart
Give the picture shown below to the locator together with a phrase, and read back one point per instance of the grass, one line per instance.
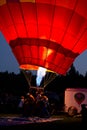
(63, 122)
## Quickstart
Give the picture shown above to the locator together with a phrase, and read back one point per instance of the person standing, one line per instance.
(84, 114)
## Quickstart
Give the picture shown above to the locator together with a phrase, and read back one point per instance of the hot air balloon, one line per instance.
(45, 33)
(79, 97)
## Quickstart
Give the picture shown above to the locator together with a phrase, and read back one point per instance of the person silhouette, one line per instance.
(84, 114)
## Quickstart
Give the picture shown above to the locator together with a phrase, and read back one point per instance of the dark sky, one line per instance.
(8, 61)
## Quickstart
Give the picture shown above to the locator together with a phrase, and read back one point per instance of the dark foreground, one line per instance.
(54, 123)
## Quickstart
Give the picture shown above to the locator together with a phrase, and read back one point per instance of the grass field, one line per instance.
(62, 122)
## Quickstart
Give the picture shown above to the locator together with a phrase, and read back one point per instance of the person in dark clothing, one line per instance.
(29, 105)
(84, 114)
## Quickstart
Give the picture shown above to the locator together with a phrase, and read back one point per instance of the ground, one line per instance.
(55, 122)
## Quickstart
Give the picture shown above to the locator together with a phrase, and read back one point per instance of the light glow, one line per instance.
(40, 74)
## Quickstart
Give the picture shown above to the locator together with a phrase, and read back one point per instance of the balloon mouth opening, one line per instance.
(43, 75)
(29, 67)
(32, 67)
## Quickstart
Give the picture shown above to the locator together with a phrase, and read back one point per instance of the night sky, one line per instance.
(9, 63)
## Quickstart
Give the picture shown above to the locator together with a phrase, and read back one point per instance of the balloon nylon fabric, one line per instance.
(46, 33)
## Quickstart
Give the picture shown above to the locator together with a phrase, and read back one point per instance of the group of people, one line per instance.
(34, 105)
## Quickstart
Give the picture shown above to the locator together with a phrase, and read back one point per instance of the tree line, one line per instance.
(18, 85)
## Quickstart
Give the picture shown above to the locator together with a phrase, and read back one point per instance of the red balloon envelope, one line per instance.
(46, 33)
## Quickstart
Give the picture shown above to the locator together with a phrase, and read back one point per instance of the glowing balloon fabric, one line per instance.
(46, 33)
